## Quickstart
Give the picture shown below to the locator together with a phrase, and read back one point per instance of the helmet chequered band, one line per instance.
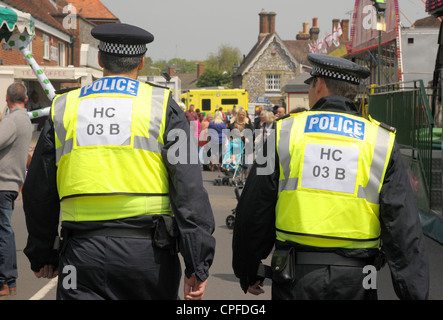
(122, 49)
(335, 75)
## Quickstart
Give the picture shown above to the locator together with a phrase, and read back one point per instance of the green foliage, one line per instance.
(214, 78)
(224, 59)
(153, 68)
(218, 67)
(183, 65)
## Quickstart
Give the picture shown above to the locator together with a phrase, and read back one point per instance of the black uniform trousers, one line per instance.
(113, 268)
(324, 282)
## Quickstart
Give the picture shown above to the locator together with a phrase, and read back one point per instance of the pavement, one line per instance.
(222, 284)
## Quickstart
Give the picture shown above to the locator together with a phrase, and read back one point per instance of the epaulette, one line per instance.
(283, 117)
(387, 127)
(288, 115)
(383, 125)
(156, 85)
(66, 90)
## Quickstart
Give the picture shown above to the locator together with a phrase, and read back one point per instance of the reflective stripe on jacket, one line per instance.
(332, 167)
(108, 139)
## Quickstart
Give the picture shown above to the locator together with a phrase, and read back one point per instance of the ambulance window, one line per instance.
(206, 104)
(229, 101)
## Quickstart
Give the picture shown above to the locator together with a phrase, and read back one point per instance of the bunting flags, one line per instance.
(322, 45)
(335, 37)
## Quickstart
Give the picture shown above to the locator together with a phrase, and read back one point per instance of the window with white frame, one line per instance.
(273, 82)
(61, 54)
(46, 47)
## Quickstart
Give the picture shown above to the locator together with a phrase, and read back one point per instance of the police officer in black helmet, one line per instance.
(103, 163)
(338, 203)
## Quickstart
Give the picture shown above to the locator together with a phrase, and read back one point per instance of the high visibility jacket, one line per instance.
(332, 167)
(108, 138)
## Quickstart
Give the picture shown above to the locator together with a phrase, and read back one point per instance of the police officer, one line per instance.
(103, 162)
(338, 200)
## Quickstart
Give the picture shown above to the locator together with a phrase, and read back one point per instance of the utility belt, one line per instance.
(113, 232)
(164, 234)
(284, 260)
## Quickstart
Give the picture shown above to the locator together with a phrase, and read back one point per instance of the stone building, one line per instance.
(273, 64)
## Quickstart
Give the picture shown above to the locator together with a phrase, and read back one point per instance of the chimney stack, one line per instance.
(345, 28)
(315, 30)
(267, 24)
(271, 19)
(171, 71)
(200, 69)
(334, 24)
(304, 35)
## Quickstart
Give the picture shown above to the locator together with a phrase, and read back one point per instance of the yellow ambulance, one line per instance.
(210, 100)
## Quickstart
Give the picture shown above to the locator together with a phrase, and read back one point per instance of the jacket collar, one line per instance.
(336, 104)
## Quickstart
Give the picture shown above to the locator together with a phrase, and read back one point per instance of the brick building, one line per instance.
(63, 46)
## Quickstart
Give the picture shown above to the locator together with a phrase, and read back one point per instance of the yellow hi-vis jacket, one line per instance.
(332, 167)
(108, 138)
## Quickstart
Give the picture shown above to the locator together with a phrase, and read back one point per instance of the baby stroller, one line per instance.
(230, 219)
(231, 164)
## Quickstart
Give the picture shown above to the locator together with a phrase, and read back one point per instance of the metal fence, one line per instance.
(405, 106)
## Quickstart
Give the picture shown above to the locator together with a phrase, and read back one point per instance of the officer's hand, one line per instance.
(256, 289)
(194, 289)
(47, 272)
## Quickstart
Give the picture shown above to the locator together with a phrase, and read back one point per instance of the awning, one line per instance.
(13, 20)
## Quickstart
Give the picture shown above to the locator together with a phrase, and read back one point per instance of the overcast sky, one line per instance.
(192, 29)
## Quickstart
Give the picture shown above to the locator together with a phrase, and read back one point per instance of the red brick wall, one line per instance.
(14, 57)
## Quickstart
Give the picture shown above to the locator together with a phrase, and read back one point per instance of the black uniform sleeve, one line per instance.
(401, 233)
(41, 202)
(189, 199)
(254, 231)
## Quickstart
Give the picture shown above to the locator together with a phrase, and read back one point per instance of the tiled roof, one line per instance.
(45, 11)
(299, 50)
(298, 84)
(39, 9)
(93, 9)
(428, 22)
(188, 80)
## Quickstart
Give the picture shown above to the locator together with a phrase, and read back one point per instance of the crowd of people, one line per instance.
(236, 118)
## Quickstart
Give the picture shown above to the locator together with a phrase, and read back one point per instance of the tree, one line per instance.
(218, 67)
(153, 68)
(183, 65)
(214, 78)
(224, 59)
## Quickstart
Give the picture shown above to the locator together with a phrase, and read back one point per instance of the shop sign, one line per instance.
(58, 73)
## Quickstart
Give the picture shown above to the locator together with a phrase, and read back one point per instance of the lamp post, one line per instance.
(381, 26)
(154, 68)
(380, 6)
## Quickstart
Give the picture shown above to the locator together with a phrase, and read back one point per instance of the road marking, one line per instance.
(45, 290)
